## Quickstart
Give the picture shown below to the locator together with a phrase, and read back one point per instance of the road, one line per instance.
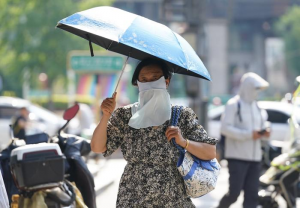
(113, 169)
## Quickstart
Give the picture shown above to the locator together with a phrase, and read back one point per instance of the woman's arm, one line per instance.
(201, 150)
(99, 139)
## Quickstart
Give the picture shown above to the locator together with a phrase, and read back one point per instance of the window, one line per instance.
(241, 37)
(277, 117)
(7, 112)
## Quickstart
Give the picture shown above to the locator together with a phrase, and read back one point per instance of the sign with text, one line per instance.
(98, 63)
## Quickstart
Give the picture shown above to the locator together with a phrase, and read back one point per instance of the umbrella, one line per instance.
(135, 36)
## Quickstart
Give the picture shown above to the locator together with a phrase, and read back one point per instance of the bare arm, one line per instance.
(201, 150)
(99, 139)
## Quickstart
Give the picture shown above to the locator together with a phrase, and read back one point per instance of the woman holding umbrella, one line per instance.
(150, 178)
(142, 131)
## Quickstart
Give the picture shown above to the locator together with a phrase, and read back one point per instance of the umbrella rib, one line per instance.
(109, 45)
(180, 47)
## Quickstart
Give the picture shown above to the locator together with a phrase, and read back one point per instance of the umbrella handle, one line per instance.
(121, 73)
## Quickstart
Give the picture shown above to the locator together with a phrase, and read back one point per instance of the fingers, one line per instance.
(108, 105)
(171, 136)
(172, 132)
(109, 102)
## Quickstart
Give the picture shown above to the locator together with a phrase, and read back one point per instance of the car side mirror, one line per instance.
(71, 112)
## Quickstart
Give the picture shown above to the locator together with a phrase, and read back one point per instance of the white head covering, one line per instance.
(251, 84)
(154, 106)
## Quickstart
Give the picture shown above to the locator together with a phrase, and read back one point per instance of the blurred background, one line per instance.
(50, 69)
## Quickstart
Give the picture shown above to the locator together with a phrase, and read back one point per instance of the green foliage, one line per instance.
(289, 28)
(29, 39)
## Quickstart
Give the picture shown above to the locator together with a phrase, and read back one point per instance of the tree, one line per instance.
(289, 28)
(30, 41)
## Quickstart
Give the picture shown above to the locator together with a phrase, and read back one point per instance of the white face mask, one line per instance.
(154, 106)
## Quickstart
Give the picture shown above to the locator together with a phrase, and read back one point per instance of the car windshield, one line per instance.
(43, 113)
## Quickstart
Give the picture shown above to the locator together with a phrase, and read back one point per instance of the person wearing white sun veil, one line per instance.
(143, 133)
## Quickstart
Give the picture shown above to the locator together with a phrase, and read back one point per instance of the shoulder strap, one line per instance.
(176, 110)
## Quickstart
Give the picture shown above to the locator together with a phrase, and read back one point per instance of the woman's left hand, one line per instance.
(175, 132)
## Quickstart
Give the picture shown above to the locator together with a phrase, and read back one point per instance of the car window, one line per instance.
(7, 112)
(277, 117)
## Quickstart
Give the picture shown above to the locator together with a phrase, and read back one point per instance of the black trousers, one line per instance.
(243, 175)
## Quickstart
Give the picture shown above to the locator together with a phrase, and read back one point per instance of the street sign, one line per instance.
(81, 63)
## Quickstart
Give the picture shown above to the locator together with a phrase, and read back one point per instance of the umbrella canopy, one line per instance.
(135, 36)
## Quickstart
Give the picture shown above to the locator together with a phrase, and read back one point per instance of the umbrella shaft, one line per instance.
(121, 73)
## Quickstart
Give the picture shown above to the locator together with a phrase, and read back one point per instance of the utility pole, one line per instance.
(191, 14)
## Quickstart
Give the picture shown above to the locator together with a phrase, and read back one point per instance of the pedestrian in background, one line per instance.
(142, 130)
(243, 125)
(20, 123)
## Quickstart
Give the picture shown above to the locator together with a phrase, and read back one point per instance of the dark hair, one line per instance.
(147, 62)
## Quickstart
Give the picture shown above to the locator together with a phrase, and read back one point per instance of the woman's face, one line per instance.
(151, 73)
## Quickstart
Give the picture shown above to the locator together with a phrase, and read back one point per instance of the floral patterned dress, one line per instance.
(151, 178)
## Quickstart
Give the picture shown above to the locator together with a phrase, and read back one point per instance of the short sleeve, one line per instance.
(115, 131)
(191, 129)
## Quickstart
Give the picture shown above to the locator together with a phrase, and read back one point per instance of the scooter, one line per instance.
(48, 166)
(282, 178)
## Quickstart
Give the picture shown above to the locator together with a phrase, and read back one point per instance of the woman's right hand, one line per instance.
(108, 105)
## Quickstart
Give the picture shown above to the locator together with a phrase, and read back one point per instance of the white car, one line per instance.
(40, 119)
(278, 114)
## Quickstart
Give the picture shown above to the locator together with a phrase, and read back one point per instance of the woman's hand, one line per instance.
(201, 150)
(175, 132)
(108, 105)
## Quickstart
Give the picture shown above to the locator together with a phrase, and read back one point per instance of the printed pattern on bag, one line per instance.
(202, 181)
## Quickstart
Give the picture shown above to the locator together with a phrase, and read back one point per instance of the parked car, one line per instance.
(40, 119)
(278, 114)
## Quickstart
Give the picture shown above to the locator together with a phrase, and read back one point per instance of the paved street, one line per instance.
(110, 174)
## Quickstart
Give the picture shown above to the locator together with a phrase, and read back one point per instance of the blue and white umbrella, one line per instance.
(135, 36)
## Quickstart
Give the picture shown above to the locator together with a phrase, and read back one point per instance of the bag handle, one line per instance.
(176, 110)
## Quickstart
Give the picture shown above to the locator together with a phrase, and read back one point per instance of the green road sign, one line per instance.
(96, 64)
